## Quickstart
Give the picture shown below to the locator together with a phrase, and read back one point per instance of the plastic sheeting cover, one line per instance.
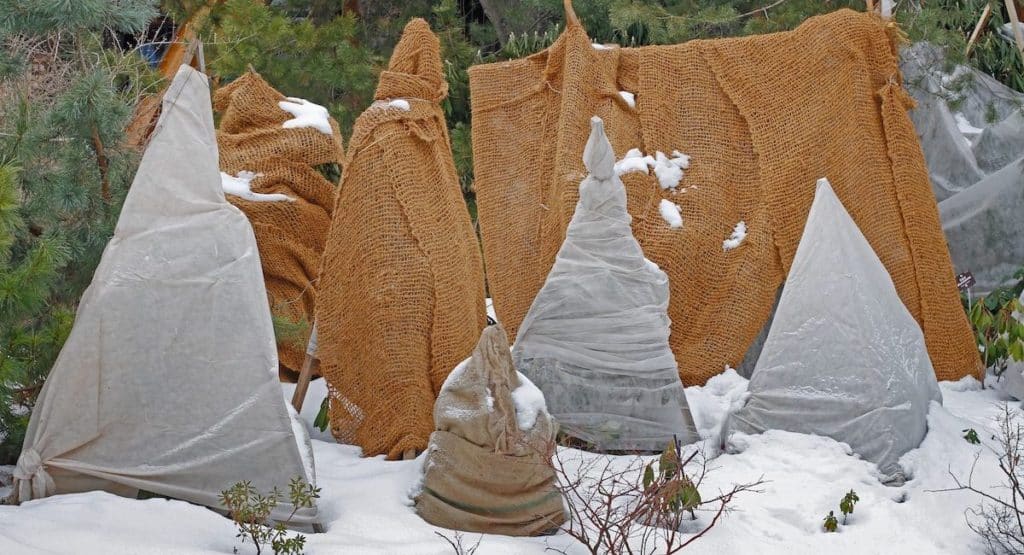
(844, 358)
(168, 380)
(595, 339)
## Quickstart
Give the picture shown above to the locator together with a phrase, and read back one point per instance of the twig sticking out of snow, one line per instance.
(670, 213)
(240, 186)
(305, 114)
(739, 233)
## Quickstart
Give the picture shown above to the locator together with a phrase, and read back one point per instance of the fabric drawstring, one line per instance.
(31, 481)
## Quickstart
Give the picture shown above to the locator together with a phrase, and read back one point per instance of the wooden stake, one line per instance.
(1015, 24)
(309, 365)
(985, 15)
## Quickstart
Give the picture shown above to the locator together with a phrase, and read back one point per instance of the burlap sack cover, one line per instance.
(290, 234)
(402, 289)
(762, 118)
(483, 471)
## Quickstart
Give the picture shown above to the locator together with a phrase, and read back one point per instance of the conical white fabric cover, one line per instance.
(844, 358)
(595, 340)
(168, 381)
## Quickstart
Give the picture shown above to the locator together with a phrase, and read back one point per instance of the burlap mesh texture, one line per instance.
(402, 288)
(290, 235)
(762, 118)
(483, 472)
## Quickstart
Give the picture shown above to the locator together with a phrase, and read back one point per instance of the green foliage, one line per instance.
(288, 332)
(971, 436)
(999, 325)
(831, 522)
(672, 490)
(950, 23)
(322, 63)
(63, 176)
(323, 416)
(250, 510)
(847, 503)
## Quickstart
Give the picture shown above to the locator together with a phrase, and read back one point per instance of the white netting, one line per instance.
(595, 339)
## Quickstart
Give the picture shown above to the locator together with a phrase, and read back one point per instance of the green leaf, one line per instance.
(323, 420)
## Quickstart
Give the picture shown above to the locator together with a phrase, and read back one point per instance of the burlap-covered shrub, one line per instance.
(762, 119)
(290, 234)
(402, 290)
(488, 466)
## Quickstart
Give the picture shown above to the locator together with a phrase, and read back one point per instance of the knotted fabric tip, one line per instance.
(31, 481)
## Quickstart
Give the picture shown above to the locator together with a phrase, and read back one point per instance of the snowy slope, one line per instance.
(366, 508)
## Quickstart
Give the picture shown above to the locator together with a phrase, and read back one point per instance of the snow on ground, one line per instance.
(366, 508)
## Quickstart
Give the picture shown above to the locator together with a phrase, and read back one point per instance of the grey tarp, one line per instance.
(595, 339)
(971, 129)
(844, 358)
(984, 226)
(168, 381)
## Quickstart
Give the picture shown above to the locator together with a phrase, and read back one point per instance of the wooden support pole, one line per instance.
(985, 15)
(1018, 35)
(309, 365)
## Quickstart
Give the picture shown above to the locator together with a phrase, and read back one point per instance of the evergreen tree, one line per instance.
(64, 103)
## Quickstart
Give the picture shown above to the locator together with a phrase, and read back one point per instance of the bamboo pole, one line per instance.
(1015, 23)
(985, 15)
(309, 365)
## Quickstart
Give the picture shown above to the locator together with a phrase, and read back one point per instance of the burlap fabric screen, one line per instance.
(290, 235)
(402, 288)
(484, 471)
(762, 118)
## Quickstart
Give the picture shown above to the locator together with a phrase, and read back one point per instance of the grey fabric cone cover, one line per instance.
(844, 358)
(168, 380)
(595, 339)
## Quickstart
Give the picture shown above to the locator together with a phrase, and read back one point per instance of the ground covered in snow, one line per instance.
(366, 508)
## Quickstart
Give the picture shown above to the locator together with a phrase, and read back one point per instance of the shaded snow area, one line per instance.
(365, 503)
(241, 186)
(5, 480)
(306, 114)
(670, 213)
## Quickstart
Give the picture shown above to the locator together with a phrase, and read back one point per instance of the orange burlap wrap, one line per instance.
(290, 235)
(402, 288)
(762, 118)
